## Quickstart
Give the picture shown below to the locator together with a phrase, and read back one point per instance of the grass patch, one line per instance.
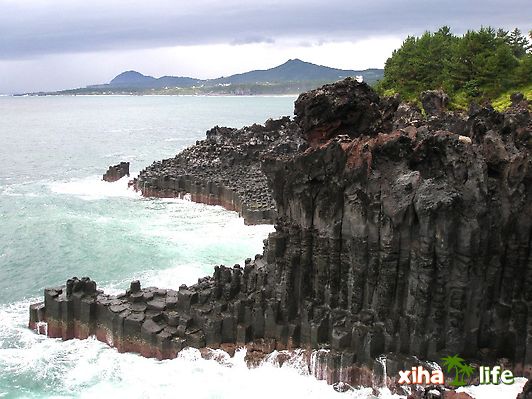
(503, 101)
(459, 102)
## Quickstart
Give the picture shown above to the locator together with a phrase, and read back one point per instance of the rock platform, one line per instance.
(224, 169)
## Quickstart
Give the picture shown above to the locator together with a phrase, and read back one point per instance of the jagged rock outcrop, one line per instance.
(516, 98)
(394, 237)
(434, 102)
(224, 169)
(343, 108)
(116, 172)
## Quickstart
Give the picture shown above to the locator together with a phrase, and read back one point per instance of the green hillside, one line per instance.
(479, 65)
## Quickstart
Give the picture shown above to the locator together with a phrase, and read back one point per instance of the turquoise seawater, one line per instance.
(58, 220)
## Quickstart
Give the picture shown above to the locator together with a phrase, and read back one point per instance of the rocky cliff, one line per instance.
(224, 169)
(396, 234)
(413, 240)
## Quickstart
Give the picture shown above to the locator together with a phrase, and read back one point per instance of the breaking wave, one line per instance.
(94, 188)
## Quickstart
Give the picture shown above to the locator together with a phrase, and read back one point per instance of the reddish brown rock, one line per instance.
(456, 395)
(116, 172)
(344, 108)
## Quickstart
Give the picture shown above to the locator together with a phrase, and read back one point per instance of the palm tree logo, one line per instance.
(461, 369)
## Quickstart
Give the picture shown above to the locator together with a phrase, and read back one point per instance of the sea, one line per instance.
(58, 219)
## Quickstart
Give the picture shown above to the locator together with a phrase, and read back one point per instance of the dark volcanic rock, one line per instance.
(401, 236)
(224, 169)
(516, 98)
(527, 391)
(116, 172)
(347, 107)
(434, 102)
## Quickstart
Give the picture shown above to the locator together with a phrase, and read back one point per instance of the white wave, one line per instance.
(169, 278)
(172, 278)
(199, 226)
(94, 188)
(500, 391)
(9, 191)
(19, 190)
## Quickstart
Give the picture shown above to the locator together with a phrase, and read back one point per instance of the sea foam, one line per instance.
(94, 188)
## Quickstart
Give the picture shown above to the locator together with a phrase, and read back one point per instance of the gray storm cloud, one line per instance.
(32, 28)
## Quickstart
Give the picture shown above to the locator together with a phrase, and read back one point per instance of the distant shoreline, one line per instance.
(291, 78)
(149, 95)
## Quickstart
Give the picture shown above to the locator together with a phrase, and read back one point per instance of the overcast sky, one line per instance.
(57, 44)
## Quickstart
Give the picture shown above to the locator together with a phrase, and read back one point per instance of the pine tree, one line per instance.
(518, 43)
(482, 64)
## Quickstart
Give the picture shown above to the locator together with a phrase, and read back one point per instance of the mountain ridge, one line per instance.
(292, 77)
(134, 79)
(292, 70)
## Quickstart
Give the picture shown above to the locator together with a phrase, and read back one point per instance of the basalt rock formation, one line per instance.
(116, 172)
(224, 169)
(396, 236)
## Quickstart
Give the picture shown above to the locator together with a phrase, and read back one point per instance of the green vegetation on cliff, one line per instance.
(480, 65)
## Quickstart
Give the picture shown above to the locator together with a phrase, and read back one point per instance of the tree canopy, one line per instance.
(477, 65)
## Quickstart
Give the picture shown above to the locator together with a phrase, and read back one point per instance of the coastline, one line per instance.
(155, 95)
(310, 287)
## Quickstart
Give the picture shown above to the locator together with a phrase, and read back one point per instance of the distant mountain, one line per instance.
(132, 78)
(294, 76)
(292, 71)
(136, 80)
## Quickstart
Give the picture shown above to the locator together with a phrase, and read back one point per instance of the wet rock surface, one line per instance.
(116, 172)
(397, 238)
(224, 169)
